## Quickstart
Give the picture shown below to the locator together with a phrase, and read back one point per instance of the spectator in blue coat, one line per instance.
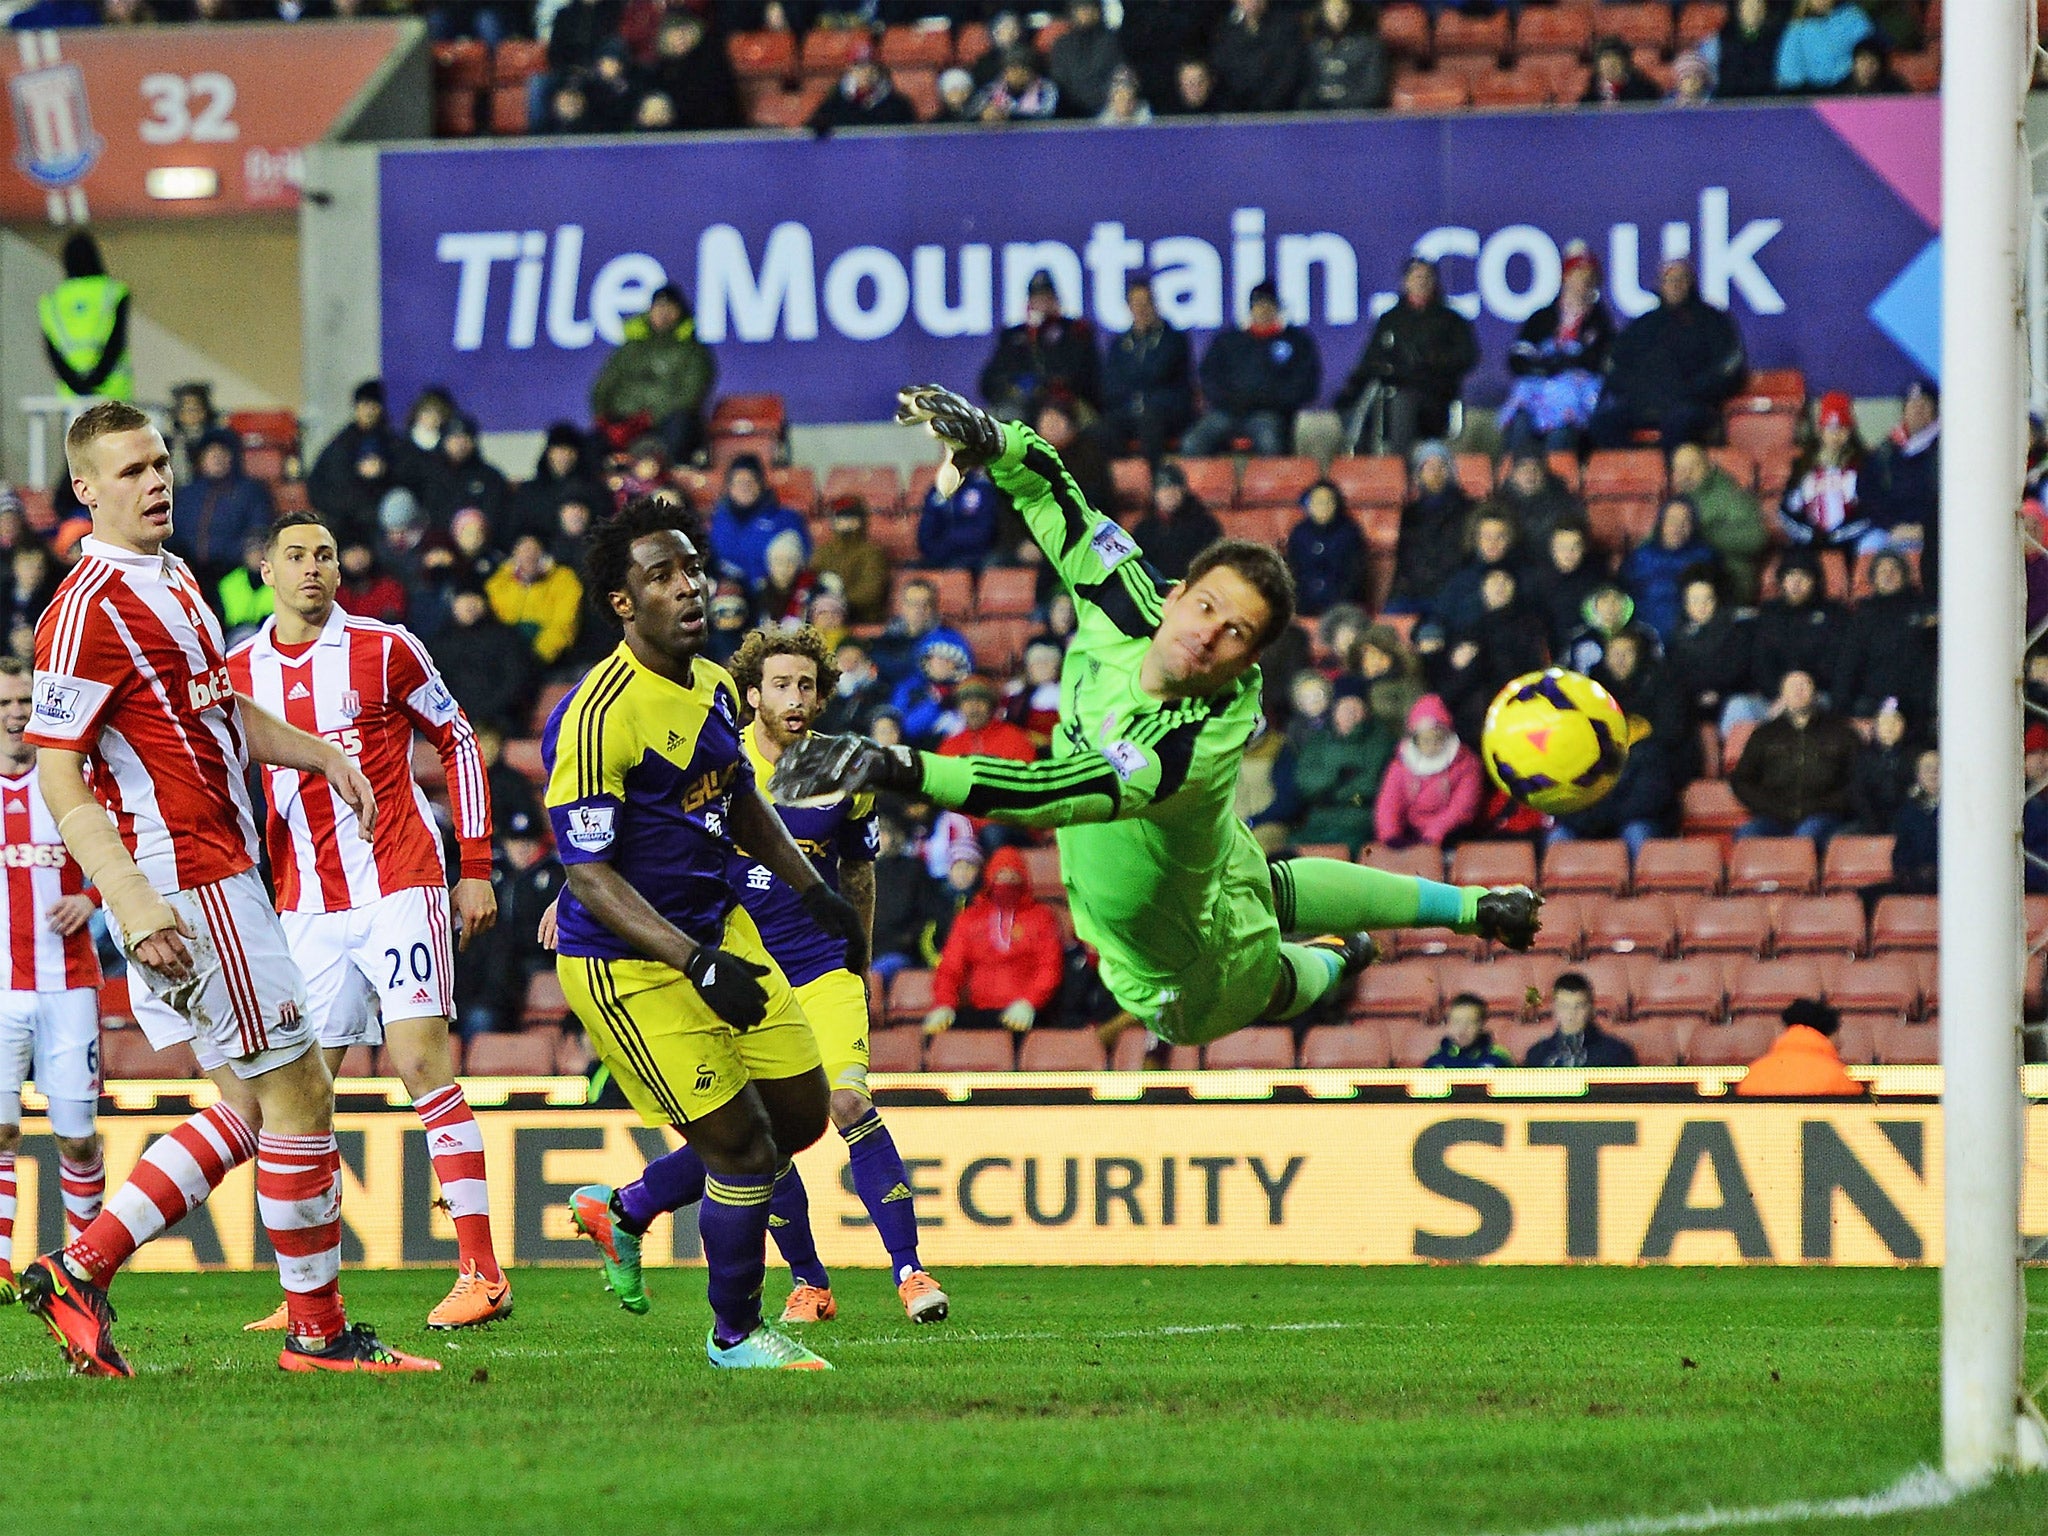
(958, 532)
(220, 511)
(1326, 552)
(1819, 46)
(1657, 569)
(915, 624)
(1255, 379)
(1491, 544)
(925, 698)
(1147, 380)
(746, 521)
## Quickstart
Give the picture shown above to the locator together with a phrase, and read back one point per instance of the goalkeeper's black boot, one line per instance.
(1355, 951)
(1510, 916)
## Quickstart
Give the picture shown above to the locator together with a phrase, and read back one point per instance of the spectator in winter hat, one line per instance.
(1414, 363)
(1822, 507)
(1798, 630)
(1615, 77)
(747, 519)
(1047, 354)
(1434, 784)
(1431, 541)
(1558, 360)
(1126, 106)
(1255, 378)
(1692, 79)
(1003, 959)
(1178, 527)
(1900, 482)
(658, 380)
(914, 625)
(857, 561)
(926, 700)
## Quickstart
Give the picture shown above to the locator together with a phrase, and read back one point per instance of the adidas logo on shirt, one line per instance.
(422, 996)
(674, 740)
(900, 1192)
(300, 691)
(444, 1142)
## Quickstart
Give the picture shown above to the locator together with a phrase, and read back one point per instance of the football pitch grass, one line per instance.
(1231, 1400)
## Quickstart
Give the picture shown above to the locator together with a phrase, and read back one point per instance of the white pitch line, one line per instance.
(1922, 1488)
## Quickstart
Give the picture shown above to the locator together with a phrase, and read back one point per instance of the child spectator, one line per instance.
(1606, 613)
(1615, 77)
(1559, 583)
(1433, 786)
(1710, 660)
(1884, 773)
(1393, 677)
(1411, 370)
(958, 532)
(925, 700)
(860, 564)
(1255, 378)
(1032, 702)
(1798, 629)
(1126, 106)
(1466, 1042)
(537, 597)
(1887, 649)
(1916, 830)
(1644, 801)
(1657, 570)
(1821, 507)
(1728, 517)
(1538, 500)
(1578, 1040)
(1871, 72)
(1558, 360)
(1338, 768)
(1795, 772)
(563, 472)
(1490, 540)
(1431, 542)
(1003, 961)
(747, 518)
(1020, 94)
(1325, 551)
(1178, 527)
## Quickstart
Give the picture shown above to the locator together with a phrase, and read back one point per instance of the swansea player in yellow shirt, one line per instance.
(784, 678)
(648, 789)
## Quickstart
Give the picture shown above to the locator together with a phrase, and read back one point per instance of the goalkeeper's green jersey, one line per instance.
(1162, 878)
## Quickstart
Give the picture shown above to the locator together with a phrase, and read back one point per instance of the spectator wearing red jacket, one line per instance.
(1434, 785)
(1003, 960)
(983, 733)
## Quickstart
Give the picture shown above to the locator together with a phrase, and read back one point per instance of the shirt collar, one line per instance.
(156, 567)
(333, 632)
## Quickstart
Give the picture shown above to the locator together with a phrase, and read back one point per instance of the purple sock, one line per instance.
(883, 1184)
(789, 1223)
(733, 1221)
(669, 1183)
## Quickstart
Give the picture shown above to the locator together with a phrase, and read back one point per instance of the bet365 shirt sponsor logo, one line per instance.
(211, 690)
(32, 855)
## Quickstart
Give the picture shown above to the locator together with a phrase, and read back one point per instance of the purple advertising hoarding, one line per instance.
(830, 273)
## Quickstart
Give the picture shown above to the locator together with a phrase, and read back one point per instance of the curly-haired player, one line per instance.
(784, 679)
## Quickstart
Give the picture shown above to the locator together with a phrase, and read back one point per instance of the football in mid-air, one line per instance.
(1555, 740)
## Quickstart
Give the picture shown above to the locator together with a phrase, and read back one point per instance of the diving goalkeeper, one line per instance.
(1159, 697)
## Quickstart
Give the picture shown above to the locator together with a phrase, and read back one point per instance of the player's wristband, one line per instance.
(137, 909)
(476, 858)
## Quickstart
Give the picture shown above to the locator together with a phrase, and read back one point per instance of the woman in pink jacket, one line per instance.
(1433, 786)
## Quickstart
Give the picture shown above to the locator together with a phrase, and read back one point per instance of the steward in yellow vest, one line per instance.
(85, 326)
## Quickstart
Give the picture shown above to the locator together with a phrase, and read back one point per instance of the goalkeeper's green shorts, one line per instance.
(1230, 983)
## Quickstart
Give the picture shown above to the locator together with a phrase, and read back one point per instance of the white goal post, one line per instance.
(1985, 198)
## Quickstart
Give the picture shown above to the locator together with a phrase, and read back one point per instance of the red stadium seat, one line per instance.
(454, 113)
(1761, 432)
(1062, 1050)
(1734, 1044)
(1409, 943)
(743, 415)
(1620, 523)
(1884, 984)
(1042, 865)
(1519, 87)
(573, 1054)
(1642, 24)
(1769, 864)
(998, 644)
(1856, 1040)
(1132, 1045)
(955, 590)
(875, 484)
(1646, 924)
(1376, 481)
(1132, 479)
(1739, 464)
(357, 1061)
(1675, 864)
(1657, 1042)
(1625, 472)
(1493, 864)
(925, 47)
(1728, 925)
(545, 1003)
(1358, 1047)
(1436, 92)
(1564, 926)
(897, 1049)
(517, 60)
(1404, 28)
(760, 54)
(970, 42)
(1598, 866)
(1459, 33)
(265, 429)
(1686, 988)
(1277, 482)
(1820, 925)
(1503, 987)
(1854, 861)
(1421, 860)
(1398, 990)
(530, 1053)
(1709, 806)
(1909, 1045)
(117, 1009)
(829, 50)
(1564, 29)
(1005, 592)
(462, 64)
(1697, 22)
(1905, 923)
(1475, 474)
(910, 996)
(1213, 478)
(795, 488)
(1262, 1048)
(1414, 1044)
(1517, 1039)
(1766, 986)
(971, 1050)
(1262, 525)
(511, 110)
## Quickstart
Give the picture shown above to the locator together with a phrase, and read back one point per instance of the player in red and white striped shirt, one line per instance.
(143, 747)
(369, 922)
(50, 1001)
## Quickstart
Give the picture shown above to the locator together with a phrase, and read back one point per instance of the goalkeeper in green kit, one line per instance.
(1159, 697)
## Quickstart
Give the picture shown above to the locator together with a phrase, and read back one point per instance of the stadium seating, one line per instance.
(1905, 923)
(1493, 864)
(971, 1050)
(545, 1003)
(1728, 925)
(1767, 864)
(1261, 1048)
(1599, 867)
(530, 1053)
(1820, 925)
(127, 1053)
(1734, 1044)
(1564, 926)
(1402, 990)
(1673, 865)
(1854, 861)
(1766, 986)
(1646, 923)
(898, 1048)
(1063, 1050)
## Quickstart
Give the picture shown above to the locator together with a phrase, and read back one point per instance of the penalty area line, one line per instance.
(1921, 1489)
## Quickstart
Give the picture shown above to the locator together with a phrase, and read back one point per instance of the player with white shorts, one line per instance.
(370, 922)
(143, 748)
(50, 1010)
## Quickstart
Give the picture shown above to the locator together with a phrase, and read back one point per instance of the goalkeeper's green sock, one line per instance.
(1330, 896)
(1313, 972)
